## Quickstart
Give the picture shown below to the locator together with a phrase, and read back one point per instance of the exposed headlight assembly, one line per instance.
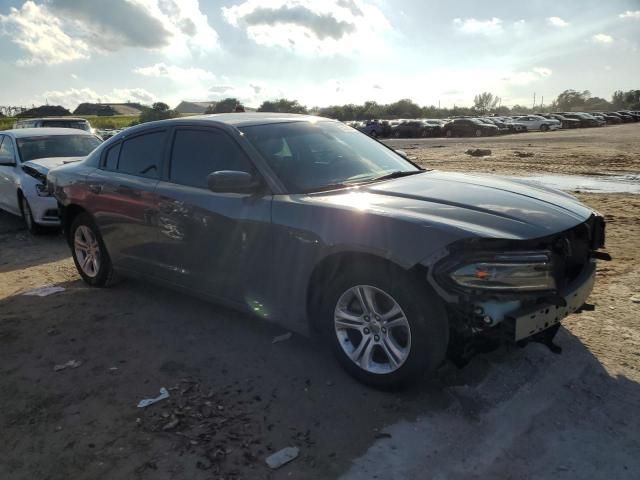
(524, 271)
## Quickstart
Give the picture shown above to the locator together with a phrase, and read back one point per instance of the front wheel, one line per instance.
(386, 332)
(544, 128)
(478, 133)
(449, 134)
(89, 253)
(27, 216)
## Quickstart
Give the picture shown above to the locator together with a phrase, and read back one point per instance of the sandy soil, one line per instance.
(236, 397)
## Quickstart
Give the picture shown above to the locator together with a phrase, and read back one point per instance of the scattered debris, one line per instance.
(635, 299)
(282, 338)
(69, 364)
(478, 152)
(44, 291)
(520, 154)
(150, 401)
(282, 457)
(172, 424)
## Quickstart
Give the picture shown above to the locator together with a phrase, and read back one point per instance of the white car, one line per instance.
(535, 122)
(26, 155)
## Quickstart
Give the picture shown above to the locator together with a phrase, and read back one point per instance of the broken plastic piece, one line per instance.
(69, 364)
(44, 291)
(150, 401)
(282, 457)
(282, 338)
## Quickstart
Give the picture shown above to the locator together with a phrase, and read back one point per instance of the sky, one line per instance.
(319, 52)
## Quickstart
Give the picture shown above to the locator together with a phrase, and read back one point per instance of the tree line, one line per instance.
(484, 103)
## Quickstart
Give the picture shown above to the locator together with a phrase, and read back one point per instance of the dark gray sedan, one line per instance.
(311, 224)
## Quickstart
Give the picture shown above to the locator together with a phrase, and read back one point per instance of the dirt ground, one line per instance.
(235, 397)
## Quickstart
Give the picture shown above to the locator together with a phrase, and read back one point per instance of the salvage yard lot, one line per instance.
(236, 397)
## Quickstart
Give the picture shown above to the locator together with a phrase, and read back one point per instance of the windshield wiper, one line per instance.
(396, 174)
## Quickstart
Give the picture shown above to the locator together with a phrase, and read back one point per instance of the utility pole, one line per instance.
(534, 100)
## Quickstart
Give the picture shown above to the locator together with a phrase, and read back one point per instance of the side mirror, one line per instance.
(402, 153)
(231, 181)
(7, 162)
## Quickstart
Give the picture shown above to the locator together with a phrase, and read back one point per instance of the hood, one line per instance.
(479, 205)
(39, 168)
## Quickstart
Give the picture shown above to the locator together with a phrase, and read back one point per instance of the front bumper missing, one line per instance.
(532, 320)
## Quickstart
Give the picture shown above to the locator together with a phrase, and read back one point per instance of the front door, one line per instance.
(216, 243)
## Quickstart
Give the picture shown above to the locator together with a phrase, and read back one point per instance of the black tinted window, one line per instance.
(142, 155)
(197, 153)
(111, 158)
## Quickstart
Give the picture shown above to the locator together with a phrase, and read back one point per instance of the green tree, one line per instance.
(227, 105)
(485, 102)
(158, 111)
(571, 100)
(282, 105)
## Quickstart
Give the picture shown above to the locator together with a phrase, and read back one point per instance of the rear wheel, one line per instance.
(544, 127)
(373, 134)
(478, 133)
(449, 133)
(385, 331)
(89, 253)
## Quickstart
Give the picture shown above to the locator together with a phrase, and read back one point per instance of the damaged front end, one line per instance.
(500, 291)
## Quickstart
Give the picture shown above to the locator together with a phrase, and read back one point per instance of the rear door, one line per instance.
(122, 196)
(216, 243)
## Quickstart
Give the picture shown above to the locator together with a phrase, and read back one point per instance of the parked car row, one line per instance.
(490, 125)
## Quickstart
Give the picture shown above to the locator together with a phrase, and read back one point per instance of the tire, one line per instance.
(418, 339)
(92, 261)
(478, 133)
(373, 134)
(27, 216)
(449, 134)
(544, 128)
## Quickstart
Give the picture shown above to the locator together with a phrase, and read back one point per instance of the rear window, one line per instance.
(32, 148)
(78, 124)
(142, 155)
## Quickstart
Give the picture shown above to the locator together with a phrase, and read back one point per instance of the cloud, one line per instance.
(60, 31)
(557, 22)
(316, 26)
(602, 38)
(631, 14)
(479, 27)
(542, 71)
(41, 36)
(72, 97)
(114, 24)
(175, 73)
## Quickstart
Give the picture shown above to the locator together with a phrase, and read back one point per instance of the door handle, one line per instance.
(95, 187)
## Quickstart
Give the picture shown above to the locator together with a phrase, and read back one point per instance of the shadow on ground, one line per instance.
(237, 397)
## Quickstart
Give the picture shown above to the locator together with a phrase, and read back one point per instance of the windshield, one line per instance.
(32, 148)
(315, 156)
(78, 124)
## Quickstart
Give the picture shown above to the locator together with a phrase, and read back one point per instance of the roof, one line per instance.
(42, 132)
(193, 107)
(245, 119)
(74, 119)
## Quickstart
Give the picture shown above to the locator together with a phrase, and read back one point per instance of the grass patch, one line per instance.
(119, 121)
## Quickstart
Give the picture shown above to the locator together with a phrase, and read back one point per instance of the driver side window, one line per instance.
(197, 153)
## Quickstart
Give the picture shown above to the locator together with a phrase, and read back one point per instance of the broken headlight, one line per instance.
(524, 271)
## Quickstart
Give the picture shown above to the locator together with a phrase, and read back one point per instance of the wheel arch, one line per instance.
(332, 265)
(68, 215)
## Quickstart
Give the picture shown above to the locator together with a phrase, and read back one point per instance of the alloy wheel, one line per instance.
(87, 250)
(372, 329)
